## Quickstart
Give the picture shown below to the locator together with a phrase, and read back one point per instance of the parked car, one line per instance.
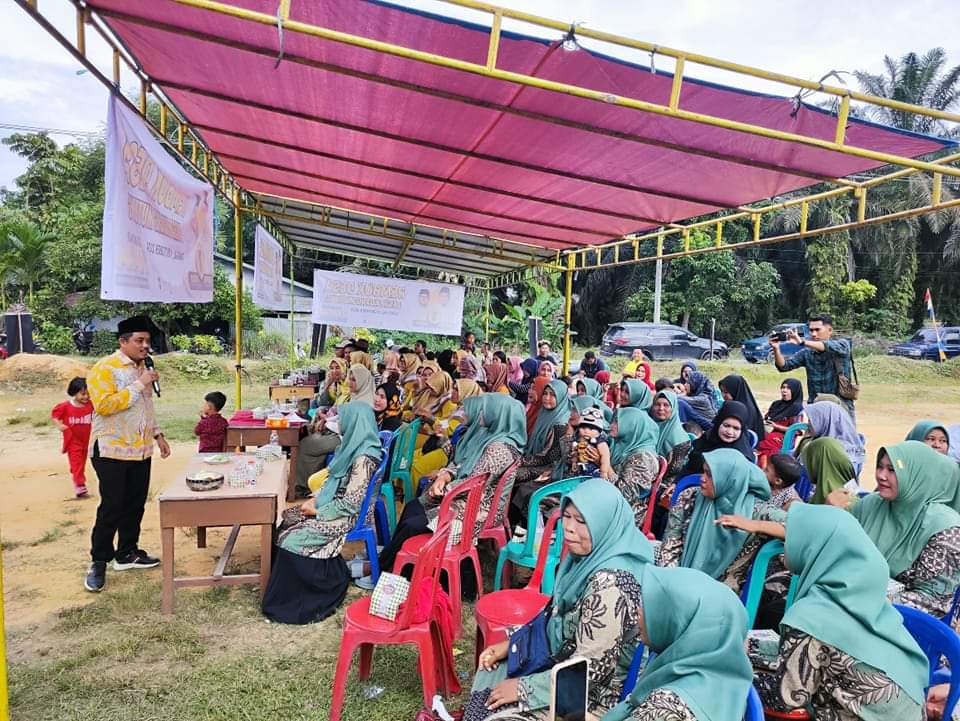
(758, 350)
(923, 344)
(658, 341)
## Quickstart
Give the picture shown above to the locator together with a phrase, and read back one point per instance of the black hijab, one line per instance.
(710, 441)
(737, 387)
(389, 419)
(445, 361)
(792, 408)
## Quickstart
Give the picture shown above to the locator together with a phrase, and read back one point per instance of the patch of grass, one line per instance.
(49, 537)
(67, 523)
(33, 418)
(10, 545)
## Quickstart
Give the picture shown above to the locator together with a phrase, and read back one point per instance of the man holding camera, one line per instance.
(828, 361)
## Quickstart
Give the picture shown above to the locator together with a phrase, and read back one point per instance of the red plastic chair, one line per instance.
(652, 502)
(362, 630)
(500, 610)
(500, 533)
(413, 548)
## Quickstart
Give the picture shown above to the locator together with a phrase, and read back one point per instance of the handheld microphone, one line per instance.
(148, 364)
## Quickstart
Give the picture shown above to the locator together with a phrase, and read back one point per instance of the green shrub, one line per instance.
(207, 344)
(104, 343)
(263, 343)
(57, 339)
(192, 367)
(181, 342)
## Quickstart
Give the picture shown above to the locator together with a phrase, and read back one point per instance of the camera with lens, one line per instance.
(780, 336)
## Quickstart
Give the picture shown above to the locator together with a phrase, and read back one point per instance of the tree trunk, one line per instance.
(686, 320)
(851, 265)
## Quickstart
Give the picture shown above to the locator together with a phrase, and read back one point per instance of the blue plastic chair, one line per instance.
(524, 554)
(789, 437)
(754, 439)
(952, 613)
(936, 639)
(753, 585)
(804, 487)
(363, 532)
(457, 432)
(754, 706)
(387, 502)
(682, 485)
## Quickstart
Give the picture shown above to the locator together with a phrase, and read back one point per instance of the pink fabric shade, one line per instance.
(307, 132)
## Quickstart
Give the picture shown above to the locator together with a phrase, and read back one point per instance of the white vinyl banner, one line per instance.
(157, 220)
(268, 272)
(349, 299)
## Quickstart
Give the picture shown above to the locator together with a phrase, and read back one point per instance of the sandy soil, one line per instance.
(46, 533)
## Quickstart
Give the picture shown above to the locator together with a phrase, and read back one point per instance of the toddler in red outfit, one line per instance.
(74, 418)
(212, 428)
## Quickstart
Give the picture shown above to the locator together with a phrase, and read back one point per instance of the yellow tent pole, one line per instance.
(568, 311)
(4, 693)
(293, 332)
(486, 317)
(238, 306)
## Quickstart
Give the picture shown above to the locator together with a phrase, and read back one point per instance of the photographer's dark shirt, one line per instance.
(821, 370)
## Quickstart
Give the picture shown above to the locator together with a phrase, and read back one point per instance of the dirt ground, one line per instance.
(45, 532)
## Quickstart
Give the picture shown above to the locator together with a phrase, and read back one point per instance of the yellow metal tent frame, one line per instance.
(672, 241)
(512, 261)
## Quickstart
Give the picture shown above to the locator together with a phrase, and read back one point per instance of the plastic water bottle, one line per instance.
(538, 534)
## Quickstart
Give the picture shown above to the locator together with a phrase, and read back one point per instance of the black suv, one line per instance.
(659, 341)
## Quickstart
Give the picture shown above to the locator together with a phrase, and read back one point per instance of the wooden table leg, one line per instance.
(166, 559)
(266, 548)
(292, 474)
(201, 537)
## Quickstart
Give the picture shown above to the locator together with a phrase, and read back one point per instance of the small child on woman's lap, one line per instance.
(74, 418)
(212, 428)
(783, 471)
(591, 435)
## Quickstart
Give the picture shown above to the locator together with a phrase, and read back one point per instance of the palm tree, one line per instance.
(7, 264)
(920, 80)
(28, 246)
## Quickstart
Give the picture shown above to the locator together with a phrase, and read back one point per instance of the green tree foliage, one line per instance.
(533, 300)
(719, 285)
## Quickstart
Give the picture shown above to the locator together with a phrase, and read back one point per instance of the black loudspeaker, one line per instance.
(534, 331)
(19, 330)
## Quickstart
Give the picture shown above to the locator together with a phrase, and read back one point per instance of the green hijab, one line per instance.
(738, 485)
(640, 396)
(922, 428)
(617, 545)
(697, 627)
(547, 419)
(671, 430)
(636, 432)
(579, 403)
(593, 388)
(828, 466)
(841, 596)
(502, 420)
(359, 434)
(902, 527)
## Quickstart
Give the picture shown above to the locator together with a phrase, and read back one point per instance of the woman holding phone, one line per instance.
(592, 613)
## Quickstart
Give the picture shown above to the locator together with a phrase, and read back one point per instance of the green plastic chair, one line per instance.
(401, 465)
(758, 576)
(524, 554)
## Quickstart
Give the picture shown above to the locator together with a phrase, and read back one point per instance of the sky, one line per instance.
(42, 86)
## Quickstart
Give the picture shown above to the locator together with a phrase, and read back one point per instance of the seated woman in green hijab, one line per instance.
(829, 468)
(593, 610)
(697, 627)
(933, 433)
(912, 519)
(309, 578)
(635, 394)
(843, 652)
(731, 485)
(634, 458)
(495, 436)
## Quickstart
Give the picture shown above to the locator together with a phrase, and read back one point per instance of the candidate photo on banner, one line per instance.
(350, 299)
(157, 219)
(268, 272)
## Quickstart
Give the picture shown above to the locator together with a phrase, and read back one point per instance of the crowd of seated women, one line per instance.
(841, 652)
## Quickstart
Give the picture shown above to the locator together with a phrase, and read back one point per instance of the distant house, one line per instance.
(278, 321)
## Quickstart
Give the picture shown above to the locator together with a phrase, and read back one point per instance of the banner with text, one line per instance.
(157, 220)
(349, 299)
(268, 272)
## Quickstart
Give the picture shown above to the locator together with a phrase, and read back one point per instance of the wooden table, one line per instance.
(241, 435)
(259, 505)
(286, 393)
